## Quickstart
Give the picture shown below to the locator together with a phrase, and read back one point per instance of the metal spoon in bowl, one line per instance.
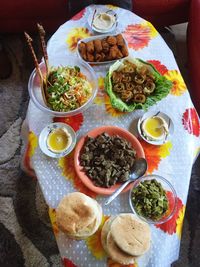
(139, 169)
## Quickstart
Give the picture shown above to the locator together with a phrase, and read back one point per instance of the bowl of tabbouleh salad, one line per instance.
(68, 88)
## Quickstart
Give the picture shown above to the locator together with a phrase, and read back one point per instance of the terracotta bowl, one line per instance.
(111, 130)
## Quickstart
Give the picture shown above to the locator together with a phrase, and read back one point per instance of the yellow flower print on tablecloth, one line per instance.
(99, 100)
(196, 152)
(179, 86)
(112, 111)
(75, 35)
(52, 216)
(111, 7)
(30, 150)
(67, 165)
(94, 242)
(153, 32)
(103, 98)
(179, 222)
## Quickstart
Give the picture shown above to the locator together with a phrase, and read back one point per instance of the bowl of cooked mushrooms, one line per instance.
(135, 84)
(104, 158)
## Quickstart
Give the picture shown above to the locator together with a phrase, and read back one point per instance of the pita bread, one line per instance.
(93, 227)
(98, 219)
(131, 234)
(116, 253)
(105, 230)
(76, 214)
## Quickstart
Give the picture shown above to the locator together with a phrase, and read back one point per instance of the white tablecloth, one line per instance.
(172, 160)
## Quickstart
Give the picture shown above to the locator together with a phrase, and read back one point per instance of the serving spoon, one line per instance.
(138, 170)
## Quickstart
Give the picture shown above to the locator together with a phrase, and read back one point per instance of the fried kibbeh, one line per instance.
(101, 50)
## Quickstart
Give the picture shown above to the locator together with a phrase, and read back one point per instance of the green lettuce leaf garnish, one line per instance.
(163, 86)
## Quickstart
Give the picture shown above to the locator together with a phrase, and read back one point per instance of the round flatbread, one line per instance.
(93, 227)
(130, 234)
(116, 254)
(85, 233)
(105, 230)
(75, 213)
(98, 218)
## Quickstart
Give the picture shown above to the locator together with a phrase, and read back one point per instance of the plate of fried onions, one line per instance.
(135, 84)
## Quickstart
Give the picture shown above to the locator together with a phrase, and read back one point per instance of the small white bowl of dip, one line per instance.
(155, 127)
(103, 21)
(57, 140)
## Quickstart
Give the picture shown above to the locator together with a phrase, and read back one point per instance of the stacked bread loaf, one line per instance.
(125, 237)
(78, 215)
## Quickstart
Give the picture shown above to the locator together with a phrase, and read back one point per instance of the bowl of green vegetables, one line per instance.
(153, 199)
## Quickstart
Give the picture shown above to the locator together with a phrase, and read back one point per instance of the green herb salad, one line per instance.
(67, 89)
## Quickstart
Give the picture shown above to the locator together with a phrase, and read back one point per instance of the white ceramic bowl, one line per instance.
(98, 11)
(163, 116)
(45, 133)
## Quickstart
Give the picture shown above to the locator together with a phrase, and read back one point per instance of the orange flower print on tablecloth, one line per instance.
(112, 263)
(75, 35)
(75, 121)
(174, 225)
(99, 99)
(190, 121)
(154, 154)
(138, 36)
(68, 263)
(79, 15)
(94, 242)
(67, 165)
(159, 66)
(52, 216)
(179, 86)
(30, 150)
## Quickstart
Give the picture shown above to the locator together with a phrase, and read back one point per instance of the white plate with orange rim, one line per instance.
(163, 132)
(57, 140)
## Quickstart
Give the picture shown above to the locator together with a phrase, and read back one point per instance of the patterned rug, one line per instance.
(26, 237)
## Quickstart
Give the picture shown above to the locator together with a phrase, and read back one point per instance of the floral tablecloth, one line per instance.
(173, 160)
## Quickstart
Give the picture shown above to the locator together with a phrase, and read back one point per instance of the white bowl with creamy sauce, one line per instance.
(103, 20)
(57, 140)
(155, 127)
